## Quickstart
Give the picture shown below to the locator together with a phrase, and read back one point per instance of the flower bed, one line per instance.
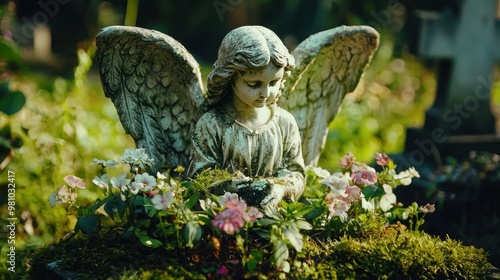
(347, 225)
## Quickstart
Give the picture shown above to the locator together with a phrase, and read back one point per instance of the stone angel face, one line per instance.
(249, 121)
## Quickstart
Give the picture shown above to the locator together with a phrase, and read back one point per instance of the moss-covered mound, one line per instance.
(401, 255)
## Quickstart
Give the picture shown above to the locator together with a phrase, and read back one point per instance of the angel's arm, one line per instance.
(288, 181)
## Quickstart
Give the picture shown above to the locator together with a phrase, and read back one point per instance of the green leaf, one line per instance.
(128, 233)
(148, 241)
(295, 238)
(303, 225)
(139, 200)
(256, 258)
(150, 210)
(11, 102)
(281, 253)
(109, 209)
(192, 200)
(373, 191)
(314, 213)
(263, 233)
(192, 233)
(187, 184)
(98, 204)
(115, 205)
(266, 222)
(88, 224)
(8, 51)
(272, 212)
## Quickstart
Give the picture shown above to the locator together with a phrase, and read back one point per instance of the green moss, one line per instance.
(405, 255)
(393, 255)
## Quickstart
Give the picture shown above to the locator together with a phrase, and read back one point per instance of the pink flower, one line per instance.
(330, 198)
(223, 270)
(252, 214)
(382, 159)
(347, 161)
(339, 208)
(75, 182)
(353, 194)
(153, 193)
(231, 200)
(364, 177)
(163, 201)
(428, 208)
(63, 195)
(230, 220)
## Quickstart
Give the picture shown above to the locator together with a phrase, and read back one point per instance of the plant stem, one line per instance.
(131, 14)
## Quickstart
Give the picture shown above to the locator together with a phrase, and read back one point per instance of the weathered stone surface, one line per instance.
(156, 87)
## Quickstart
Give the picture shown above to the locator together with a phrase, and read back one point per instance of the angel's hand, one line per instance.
(239, 181)
(275, 196)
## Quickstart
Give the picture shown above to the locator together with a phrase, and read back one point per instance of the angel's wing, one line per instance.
(329, 65)
(156, 87)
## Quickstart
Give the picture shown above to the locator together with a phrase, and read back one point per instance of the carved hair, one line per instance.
(242, 49)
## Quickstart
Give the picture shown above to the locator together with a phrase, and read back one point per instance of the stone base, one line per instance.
(56, 273)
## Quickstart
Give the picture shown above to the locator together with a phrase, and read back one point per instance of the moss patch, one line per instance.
(396, 255)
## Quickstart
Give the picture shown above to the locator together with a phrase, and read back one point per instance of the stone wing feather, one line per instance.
(155, 85)
(329, 65)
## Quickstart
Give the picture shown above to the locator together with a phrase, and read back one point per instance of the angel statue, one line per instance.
(265, 113)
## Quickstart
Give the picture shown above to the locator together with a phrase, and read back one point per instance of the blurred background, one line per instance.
(55, 119)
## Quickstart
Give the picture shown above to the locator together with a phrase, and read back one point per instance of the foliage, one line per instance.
(11, 101)
(61, 129)
(183, 216)
(391, 254)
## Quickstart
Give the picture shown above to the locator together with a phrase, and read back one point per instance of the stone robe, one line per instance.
(271, 152)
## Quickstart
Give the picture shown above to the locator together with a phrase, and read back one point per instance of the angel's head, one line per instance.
(243, 50)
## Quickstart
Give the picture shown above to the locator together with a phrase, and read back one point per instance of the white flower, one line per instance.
(367, 205)
(413, 172)
(320, 172)
(339, 208)
(121, 182)
(405, 176)
(102, 182)
(144, 182)
(163, 201)
(405, 181)
(337, 183)
(136, 157)
(160, 176)
(134, 188)
(388, 199)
